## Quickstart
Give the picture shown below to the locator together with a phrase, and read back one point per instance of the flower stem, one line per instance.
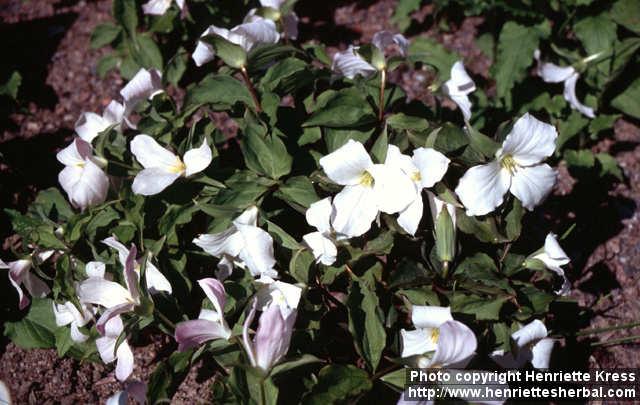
(164, 319)
(252, 90)
(608, 328)
(628, 339)
(383, 80)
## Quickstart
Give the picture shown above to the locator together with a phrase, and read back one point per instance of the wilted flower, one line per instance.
(452, 342)
(247, 35)
(162, 167)
(159, 7)
(68, 314)
(532, 345)
(554, 258)
(517, 168)
(244, 244)
(321, 242)
(350, 64)
(107, 348)
(383, 39)
(288, 20)
(369, 188)
(458, 88)
(85, 183)
(551, 73)
(210, 324)
(425, 168)
(90, 124)
(20, 274)
(144, 85)
(137, 390)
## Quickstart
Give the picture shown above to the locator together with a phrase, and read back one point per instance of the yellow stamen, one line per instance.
(416, 176)
(435, 335)
(366, 179)
(178, 167)
(509, 163)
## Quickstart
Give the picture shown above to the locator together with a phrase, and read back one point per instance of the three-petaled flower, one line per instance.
(532, 345)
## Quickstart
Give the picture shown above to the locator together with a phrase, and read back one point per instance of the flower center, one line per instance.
(178, 167)
(435, 335)
(366, 179)
(508, 162)
(416, 176)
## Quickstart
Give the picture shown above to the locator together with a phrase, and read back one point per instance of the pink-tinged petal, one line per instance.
(290, 25)
(197, 159)
(111, 313)
(272, 338)
(138, 391)
(531, 185)
(123, 252)
(124, 366)
(383, 39)
(131, 276)
(193, 333)
(36, 287)
(76, 153)
(530, 141)
(482, 188)
(103, 292)
(246, 341)
(456, 345)
(18, 271)
(347, 164)
(153, 181)
(214, 290)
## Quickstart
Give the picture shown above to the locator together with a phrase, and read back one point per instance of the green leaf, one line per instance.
(63, 340)
(380, 146)
(297, 191)
(285, 75)
(629, 100)
(402, 15)
(516, 45)
(37, 329)
(232, 54)
(609, 165)
(52, 204)
(596, 33)
(106, 63)
(300, 265)
(484, 229)
(177, 66)
(294, 364)
(167, 376)
(429, 51)
(125, 13)
(570, 127)
(627, 14)
(482, 307)
(396, 378)
(579, 158)
(345, 109)
(514, 220)
(282, 237)
(103, 35)
(400, 121)
(337, 383)
(365, 324)
(11, 86)
(266, 154)
(310, 135)
(147, 54)
(220, 91)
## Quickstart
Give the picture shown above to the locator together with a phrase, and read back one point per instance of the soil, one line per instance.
(48, 41)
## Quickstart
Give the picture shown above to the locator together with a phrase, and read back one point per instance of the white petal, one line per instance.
(432, 165)
(209, 315)
(248, 217)
(275, 4)
(350, 64)
(530, 141)
(257, 253)
(347, 164)
(392, 188)
(323, 248)
(482, 188)
(417, 342)
(383, 39)
(542, 353)
(464, 104)
(425, 316)
(114, 113)
(319, 215)
(410, 217)
(62, 314)
(285, 295)
(153, 181)
(570, 96)
(106, 348)
(5, 394)
(75, 154)
(110, 314)
(156, 7)
(205, 52)
(395, 158)
(456, 345)
(436, 205)
(76, 335)
(460, 83)
(355, 208)
(86, 186)
(124, 367)
(119, 398)
(530, 333)
(228, 242)
(257, 32)
(95, 269)
(145, 84)
(156, 281)
(214, 290)
(90, 125)
(224, 268)
(123, 251)
(551, 73)
(151, 155)
(197, 159)
(532, 184)
(102, 292)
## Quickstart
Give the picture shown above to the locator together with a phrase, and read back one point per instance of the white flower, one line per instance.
(517, 168)
(436, 205)
(137, 390)
(68, 314)
(552, 73)
(458, 88)
(425, 168)
(159, 7)
(90, 124)
(369, 188)
(243, 244)
(107, 348)
(156, 281)
(382, 39)
(350, 64)
(452, 342)
(5, 394)
(285, 295)
(82, 179)
(321, 242)
(288, 21)
(248, 35)
(554, 258)
(162, 167)
(532, 346)
(144, 85)
(19, 275)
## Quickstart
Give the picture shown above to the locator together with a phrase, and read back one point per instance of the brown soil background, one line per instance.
(48, 41)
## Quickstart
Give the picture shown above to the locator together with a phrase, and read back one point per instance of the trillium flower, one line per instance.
(517, 168)
(90, 124)
(273, 336)
(144, 85)
(68, 314)
(82, 178)
(350, 64)
(249, 35)
(321, 242)
(554, 258)
(452, 342)
(285, 295)
(156, 282)
(159, 7)
(20, 275)
(552, 73)
(210, 324)
(532, 345)
(425, 168)
(458, 88)
(288, 20)
(107, 349)
(162, 167)
(114, 297)
(137, 390)
(369, 188)
(244, 244)
(384, 39)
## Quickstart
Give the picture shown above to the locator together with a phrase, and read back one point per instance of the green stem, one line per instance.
(383, 80)
(252, 90)
(124, 166)
(164, 319)
(628, 339)
(594, 331)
